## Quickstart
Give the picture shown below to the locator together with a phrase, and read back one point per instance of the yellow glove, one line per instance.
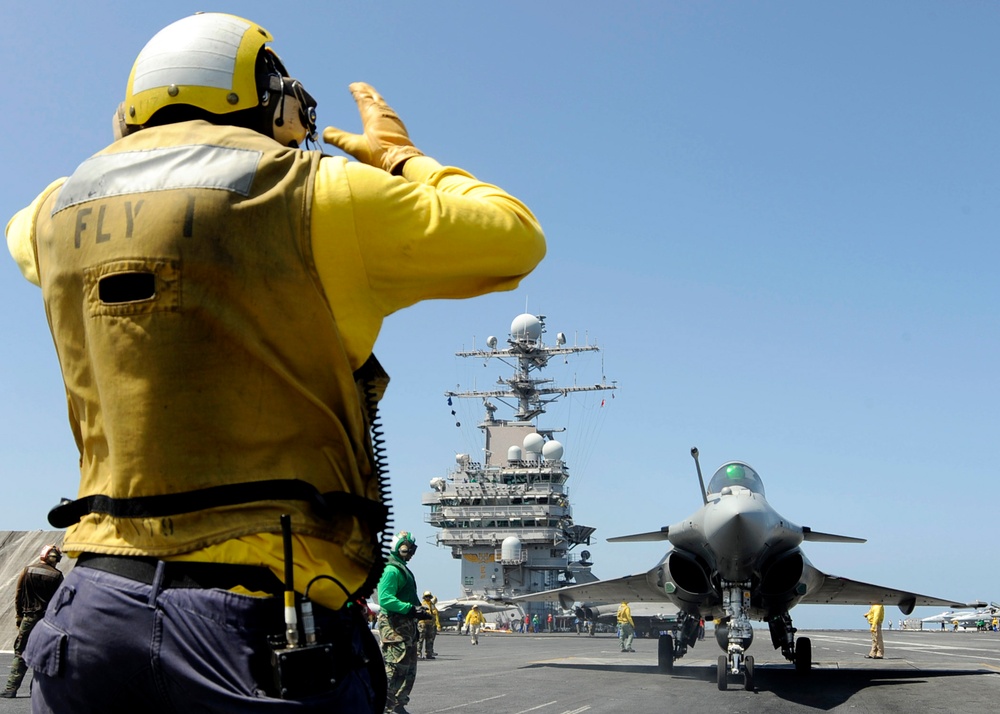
(385, 143)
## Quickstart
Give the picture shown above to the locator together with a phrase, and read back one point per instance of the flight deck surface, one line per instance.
(565, 673)
(572, 674)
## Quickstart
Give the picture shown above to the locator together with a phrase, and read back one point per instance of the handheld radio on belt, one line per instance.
(303, 670)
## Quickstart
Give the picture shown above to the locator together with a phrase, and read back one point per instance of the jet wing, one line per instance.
(634, 588)
(820, 537)
(842, 591)
(662, 534)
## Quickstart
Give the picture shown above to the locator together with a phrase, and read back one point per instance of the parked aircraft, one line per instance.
(650, 618)
(449, 610)
(945, 616)
(734, 560)
(967, 618)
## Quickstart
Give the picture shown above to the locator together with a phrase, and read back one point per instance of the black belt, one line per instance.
(180, 574)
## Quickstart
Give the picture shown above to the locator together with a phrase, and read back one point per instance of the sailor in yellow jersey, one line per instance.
(214, 293)
(875, 617)
(626, 627)
(474, 621)
(429, 627)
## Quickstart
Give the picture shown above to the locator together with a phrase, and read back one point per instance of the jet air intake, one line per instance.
(781, 576)
(683, 579)
(786, 579)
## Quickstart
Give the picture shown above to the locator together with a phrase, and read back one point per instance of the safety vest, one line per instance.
(208, 388)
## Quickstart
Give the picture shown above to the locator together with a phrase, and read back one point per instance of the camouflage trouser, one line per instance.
(18, 667)
(626, 633)
(399, 649)
(428, 632)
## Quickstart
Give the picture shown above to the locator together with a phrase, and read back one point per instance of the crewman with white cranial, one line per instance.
(474, 621)
(214, 293)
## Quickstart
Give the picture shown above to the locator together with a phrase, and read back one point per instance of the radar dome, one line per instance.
(552, 451)
(526, 327)
(533, 443)
(439, 484)
(514, 453)
(510, 549)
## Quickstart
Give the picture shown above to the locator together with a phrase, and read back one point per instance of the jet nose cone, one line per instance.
(736, 529)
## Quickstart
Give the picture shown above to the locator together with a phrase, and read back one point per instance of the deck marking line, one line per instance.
(547, 704)
(479, 701)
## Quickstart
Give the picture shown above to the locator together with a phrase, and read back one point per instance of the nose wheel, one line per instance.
(723, 670)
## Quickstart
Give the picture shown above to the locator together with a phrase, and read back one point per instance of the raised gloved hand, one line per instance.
(384, 143)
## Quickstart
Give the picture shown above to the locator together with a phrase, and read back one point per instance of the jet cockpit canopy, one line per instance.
(736, 473)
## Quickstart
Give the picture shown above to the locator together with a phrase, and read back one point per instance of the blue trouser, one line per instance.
(110, 644)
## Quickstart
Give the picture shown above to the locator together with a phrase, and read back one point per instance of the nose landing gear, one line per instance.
(737, 634)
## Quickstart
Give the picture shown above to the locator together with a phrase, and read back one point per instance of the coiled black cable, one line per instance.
(380, 469)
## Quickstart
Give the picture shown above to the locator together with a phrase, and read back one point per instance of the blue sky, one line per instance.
(778, 219)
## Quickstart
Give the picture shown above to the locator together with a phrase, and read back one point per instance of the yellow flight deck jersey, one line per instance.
(625, 614)
(211, 295)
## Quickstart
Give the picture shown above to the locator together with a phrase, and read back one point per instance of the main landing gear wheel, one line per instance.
(803, 655)
(722, 674)
(748, 674)
(665, 654)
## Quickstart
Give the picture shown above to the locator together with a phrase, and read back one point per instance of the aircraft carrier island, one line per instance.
(507, 517)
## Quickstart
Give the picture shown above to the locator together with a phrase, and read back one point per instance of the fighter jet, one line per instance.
(734, 560)
(649, 617)
(968, 618)
(449, 610)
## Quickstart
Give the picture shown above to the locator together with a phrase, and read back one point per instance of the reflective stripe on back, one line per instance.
(178, 167)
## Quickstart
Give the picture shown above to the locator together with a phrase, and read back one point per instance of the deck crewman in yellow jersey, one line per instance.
(214, 293)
